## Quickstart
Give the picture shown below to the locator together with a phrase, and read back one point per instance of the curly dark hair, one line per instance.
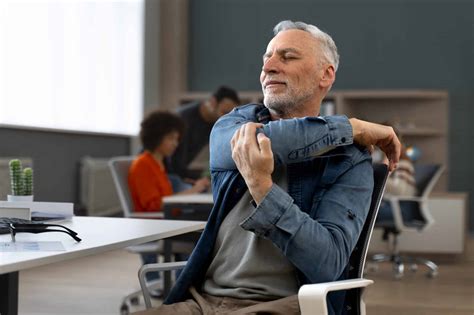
(156, 126)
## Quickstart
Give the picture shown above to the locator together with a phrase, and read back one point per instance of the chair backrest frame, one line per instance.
(119, 167)
(359, 254)
(426, 177)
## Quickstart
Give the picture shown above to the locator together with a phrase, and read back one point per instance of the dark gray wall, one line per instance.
(56, 158)
(387, 44)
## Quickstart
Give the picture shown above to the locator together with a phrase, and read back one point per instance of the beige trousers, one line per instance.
(204, 304)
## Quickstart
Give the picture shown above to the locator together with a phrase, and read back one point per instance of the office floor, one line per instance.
(96, 285)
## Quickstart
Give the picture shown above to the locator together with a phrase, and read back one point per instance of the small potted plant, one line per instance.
(21, 182)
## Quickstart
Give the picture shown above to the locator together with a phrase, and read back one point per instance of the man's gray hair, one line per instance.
(328, 47)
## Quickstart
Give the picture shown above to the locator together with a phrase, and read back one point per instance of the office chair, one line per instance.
(403, 213)
(119, 167)
(312, 297)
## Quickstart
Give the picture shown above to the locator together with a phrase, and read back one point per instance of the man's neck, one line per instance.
(310, 108)
(304, 111)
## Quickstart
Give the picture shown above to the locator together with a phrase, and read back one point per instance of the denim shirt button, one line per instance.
(343, 140)
(351, 214)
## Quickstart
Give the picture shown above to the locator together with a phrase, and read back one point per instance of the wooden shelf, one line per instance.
(245, 96)
(420, 132)
(420, 116)
(391, 94)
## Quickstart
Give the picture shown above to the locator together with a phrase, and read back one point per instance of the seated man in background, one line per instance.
(291, 189)
(148, 181)
(199, 117)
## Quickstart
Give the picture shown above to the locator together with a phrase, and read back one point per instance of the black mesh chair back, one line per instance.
(359, 254)
(426, 177)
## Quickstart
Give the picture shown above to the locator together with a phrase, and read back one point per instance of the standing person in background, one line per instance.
(199, 118)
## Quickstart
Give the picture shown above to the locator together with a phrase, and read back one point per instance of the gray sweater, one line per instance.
(246, 266)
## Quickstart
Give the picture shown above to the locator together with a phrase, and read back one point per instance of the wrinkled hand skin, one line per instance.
(253, 156)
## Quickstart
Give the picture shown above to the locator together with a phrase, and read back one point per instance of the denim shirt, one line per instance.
(317, 222)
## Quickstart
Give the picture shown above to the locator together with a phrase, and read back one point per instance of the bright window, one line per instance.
(72, 64)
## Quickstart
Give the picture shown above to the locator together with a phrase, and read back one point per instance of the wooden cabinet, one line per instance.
(447, 235)
(419, 116)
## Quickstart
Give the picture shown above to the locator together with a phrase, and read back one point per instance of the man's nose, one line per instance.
(271, 65)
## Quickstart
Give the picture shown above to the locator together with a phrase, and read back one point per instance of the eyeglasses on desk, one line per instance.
(40, 228)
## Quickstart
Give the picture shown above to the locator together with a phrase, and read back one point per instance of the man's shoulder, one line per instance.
(344, 160)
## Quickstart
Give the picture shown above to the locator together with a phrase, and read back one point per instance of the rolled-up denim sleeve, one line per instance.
(293, 140)
(325, 239)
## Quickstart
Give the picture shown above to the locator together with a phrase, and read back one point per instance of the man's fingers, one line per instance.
(264, 143)
(395, 152)
(250, 131)
(235, 138)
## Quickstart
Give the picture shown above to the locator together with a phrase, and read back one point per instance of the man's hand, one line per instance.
(369, 134)
(201, 184)
(254, 159)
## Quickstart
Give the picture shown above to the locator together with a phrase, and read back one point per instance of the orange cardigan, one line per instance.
(148, 183)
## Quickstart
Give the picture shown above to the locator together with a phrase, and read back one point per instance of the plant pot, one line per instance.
(19, 198)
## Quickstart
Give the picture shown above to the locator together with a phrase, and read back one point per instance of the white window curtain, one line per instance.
(72, 64)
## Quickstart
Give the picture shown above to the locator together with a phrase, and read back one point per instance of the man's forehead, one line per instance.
(292, 40)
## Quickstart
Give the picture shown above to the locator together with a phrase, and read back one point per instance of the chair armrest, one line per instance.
(167, 266)
(312, 297)
(147, 215)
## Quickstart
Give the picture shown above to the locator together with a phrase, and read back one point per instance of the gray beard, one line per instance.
(284, 105)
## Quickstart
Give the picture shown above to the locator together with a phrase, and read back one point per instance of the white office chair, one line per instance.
(312, 297)
(119, 167)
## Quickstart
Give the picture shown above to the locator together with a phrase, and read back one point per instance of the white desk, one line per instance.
(98, 235)
(205, 199)
(193, 207)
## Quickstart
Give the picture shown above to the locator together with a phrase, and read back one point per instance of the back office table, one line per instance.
(192, 207)
(98, 235)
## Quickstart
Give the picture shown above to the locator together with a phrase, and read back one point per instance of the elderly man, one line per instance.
(291, 189)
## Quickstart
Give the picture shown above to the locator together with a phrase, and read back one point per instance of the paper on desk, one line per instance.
(31, 246)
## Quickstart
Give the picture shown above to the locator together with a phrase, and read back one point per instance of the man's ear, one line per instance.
(328, 76)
